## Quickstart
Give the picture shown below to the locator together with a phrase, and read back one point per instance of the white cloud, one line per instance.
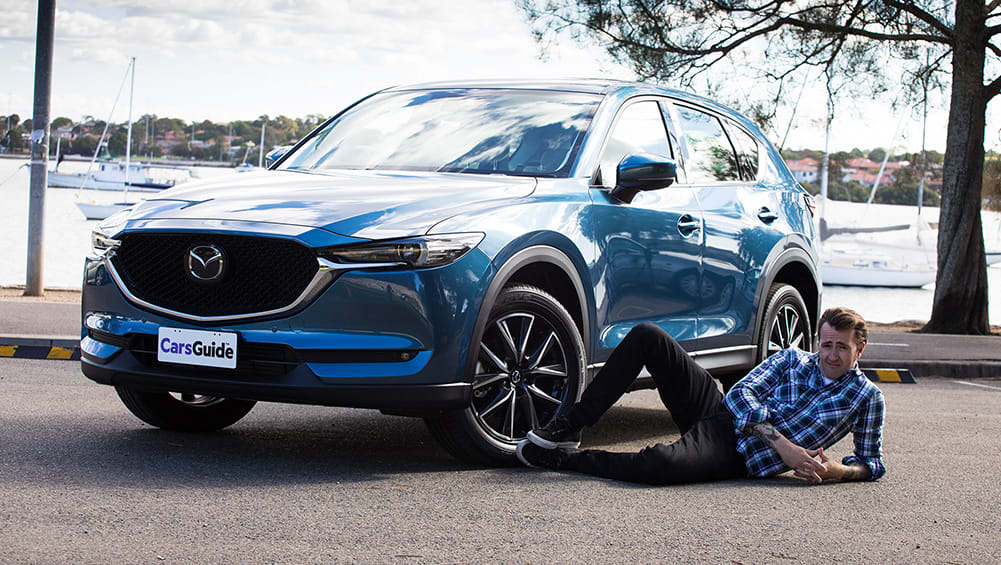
(237, 59)
(97, 54)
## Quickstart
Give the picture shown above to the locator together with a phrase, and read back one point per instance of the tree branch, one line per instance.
(835, 28)
(992, 6)
(993, 89)
(923, 16)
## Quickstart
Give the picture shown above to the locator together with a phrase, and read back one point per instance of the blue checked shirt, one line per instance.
(788, 391)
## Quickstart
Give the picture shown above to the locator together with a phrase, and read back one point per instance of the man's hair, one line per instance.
(842, 319)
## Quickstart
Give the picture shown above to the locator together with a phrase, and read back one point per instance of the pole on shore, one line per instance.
(44, 39)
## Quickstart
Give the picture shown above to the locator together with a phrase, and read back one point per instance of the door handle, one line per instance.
(766, 215)
(687, 225)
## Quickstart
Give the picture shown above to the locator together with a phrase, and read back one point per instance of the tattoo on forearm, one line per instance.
(766, 432)
(856, 473)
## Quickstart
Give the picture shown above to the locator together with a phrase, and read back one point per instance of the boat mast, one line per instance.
(128, 137)
(260, 158)
(924, 132)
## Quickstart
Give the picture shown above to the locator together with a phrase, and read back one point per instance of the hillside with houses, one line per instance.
(852, 175)
(156, 137)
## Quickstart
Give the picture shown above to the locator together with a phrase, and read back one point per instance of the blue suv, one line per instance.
(469, 253)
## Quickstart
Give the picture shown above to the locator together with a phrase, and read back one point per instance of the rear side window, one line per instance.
(747, 151)
(639, 129)
(711, 158)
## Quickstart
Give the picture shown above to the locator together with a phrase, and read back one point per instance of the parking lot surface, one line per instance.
(83, 480)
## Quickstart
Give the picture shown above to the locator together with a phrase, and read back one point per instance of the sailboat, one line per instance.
(113, 175)
(866, 260)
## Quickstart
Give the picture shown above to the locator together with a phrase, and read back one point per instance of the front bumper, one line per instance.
(391, 340)
(298, 389)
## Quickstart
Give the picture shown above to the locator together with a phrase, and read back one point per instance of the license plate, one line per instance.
(196, 347)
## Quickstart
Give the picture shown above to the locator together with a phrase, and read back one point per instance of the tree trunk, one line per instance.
(960, 304)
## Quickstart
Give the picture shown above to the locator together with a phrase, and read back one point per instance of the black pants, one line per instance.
(707, 449)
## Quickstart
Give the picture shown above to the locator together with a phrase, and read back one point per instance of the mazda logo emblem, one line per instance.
(205, 263)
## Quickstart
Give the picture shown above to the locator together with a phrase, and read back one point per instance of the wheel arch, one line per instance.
(794, 266)
(548, 268)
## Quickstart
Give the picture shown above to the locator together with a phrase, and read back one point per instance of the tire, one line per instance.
(786, 322)
(530, 368)
(184, 412)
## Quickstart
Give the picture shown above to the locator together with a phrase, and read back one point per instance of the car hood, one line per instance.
(364, 204)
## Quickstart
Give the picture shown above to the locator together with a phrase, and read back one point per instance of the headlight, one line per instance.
(413, 252)
(101, 245)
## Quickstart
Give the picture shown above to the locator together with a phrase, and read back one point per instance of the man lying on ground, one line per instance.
(780, 417)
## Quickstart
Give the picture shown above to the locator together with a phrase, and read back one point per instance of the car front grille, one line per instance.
(260, 274)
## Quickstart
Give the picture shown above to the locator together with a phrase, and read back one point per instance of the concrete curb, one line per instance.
(951, 369)
(62, 348)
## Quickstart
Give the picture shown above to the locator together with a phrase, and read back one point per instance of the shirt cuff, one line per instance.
(743, 422)
(875, 465)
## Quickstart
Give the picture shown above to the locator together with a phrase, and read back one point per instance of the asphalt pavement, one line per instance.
(83, 481)
(57, 324)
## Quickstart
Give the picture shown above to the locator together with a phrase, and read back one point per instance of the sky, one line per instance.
(225, 60)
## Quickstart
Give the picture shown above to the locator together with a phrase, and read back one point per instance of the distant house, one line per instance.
(804, 170)
(865, 171)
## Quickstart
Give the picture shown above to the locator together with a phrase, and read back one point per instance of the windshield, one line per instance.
(513, 132)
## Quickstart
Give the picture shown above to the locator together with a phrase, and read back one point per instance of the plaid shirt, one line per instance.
(788, 391)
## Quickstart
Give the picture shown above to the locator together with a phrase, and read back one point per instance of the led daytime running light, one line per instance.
(415, 252)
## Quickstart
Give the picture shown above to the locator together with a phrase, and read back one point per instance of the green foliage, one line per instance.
(116, 143)
(905, 194)
(82, 145)
(12, 140)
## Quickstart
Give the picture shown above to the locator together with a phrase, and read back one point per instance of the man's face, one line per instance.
(838, 351)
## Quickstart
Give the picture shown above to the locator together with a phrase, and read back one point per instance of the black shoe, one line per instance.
(534, 456)
(558, 433)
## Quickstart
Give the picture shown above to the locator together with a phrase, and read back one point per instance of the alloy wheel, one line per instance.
(196, 400)
(521, 376)
(787, 329)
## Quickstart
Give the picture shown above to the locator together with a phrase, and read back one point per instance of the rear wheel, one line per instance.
(530, 367)
(183, 411)
(786, 323)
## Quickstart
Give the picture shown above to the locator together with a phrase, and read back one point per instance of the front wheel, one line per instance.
(183, 411)
(529, 368)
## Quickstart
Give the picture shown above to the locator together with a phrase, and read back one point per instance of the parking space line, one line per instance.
(978, 384)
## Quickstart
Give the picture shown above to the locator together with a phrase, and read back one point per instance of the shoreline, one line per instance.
(139, 159)
(15, 293)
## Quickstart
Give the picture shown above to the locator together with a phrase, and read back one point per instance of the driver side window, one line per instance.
(639, 129)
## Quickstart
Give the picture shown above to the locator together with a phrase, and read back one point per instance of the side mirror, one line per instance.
(275, 154)
(643, 171)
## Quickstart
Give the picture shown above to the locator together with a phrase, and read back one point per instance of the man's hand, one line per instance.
(797, 458)
(802, 461)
